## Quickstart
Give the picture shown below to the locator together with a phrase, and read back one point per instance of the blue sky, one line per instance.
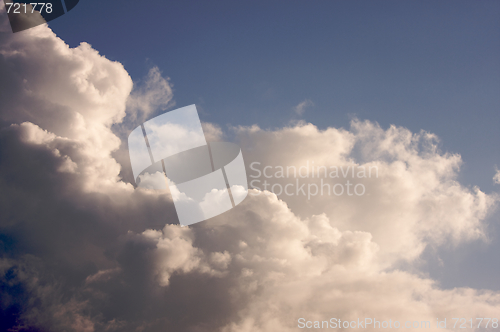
(422, 65)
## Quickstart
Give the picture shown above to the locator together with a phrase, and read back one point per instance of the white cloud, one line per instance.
(74, 94)
(415, 200)
(292, 268)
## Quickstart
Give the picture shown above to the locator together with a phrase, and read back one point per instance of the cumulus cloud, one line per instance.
(83, 250)
(411, 198)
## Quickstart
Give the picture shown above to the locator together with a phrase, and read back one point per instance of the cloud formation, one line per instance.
(412, 198)
(82, 250)
(302, 106)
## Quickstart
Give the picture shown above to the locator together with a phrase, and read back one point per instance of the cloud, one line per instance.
(82, 250)
(212, 131)
(153, 94)
(412, 197)
(496, 178)
(301, 107)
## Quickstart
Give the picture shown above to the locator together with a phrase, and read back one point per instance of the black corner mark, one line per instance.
(24, 15)
(70, 4)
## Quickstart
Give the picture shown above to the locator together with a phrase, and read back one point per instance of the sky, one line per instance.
(418, 64)
(411, 88)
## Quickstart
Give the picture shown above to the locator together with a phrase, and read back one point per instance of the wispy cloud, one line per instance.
(303, 106)
(153, 94)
